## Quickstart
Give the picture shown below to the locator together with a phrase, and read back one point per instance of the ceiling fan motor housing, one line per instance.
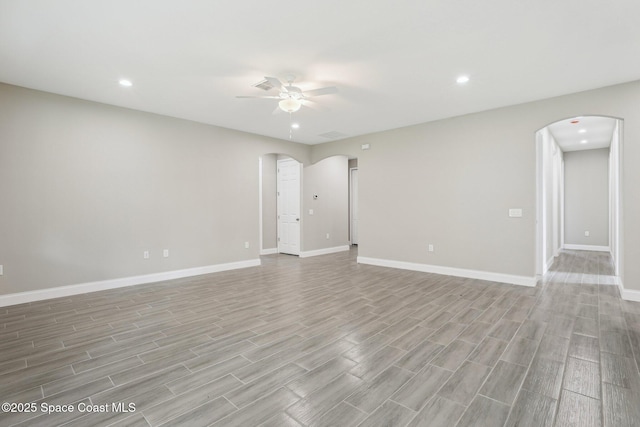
(292, 92)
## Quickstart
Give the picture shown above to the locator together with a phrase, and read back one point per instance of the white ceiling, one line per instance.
(595, 131)
(395, 63)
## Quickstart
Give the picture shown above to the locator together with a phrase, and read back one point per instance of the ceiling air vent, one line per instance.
(264, 85)
(333, 135)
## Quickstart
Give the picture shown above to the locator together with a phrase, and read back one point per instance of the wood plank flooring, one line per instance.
(326, 342)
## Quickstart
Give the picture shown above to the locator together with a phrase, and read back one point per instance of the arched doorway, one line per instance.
(578, 186)
(325, 204)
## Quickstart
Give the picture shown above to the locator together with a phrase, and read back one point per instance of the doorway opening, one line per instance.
(578, 189)
(306, 211)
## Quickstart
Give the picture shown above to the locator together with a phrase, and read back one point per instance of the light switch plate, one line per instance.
(515, 213)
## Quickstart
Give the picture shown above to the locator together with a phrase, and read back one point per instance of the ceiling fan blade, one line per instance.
(321, 91)
(259, 97)
(276, 83)
(276, 111)
(314, 105)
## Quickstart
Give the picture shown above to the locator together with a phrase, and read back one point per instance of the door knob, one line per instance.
(297, 219)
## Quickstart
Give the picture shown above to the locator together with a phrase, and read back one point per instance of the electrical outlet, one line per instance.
(246, 245)
(586, 233)
(310, 211)
(145, 254)
(327, 236)
(1, 270)
(430, 247)
(165, 253)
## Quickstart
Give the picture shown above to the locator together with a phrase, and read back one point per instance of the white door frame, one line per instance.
(616, 220)
(540, 231)
(260, 213)
(351, 201)
(544, 221)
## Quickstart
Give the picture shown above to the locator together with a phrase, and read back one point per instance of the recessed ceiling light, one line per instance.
(295, 126)
(462, 80)
(584, 141)
(582, 130)
(125, 83)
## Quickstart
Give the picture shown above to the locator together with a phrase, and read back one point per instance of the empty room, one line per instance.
(305, 213)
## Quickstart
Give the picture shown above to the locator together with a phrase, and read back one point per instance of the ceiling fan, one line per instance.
(291, 97)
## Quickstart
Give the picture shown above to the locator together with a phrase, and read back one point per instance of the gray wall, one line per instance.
(269, 202)
(586, 194)
(328, 179)
(451, 183)
(86, 188)
(448, 183)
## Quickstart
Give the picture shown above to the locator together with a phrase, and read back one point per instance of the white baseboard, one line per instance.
(269, 251)
(627, 294)
(450, 271)
(594, 248)
(82, 288)
(630, 295)
(325, 251)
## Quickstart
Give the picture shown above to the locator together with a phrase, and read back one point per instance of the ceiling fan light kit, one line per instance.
(290, 105)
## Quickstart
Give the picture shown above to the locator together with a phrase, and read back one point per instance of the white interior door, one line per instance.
(354, 206)
(289, 207)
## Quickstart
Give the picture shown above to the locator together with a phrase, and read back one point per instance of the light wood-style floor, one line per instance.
(326, 342)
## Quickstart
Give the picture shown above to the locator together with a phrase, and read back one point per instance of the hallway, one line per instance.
(591, 340)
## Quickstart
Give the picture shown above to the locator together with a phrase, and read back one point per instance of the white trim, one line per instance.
(630, 295)
(269, 251)
(82, 288)
(325, 251)
(260, 201)
(451, 271)
(540, 235)
(351, 202)
(594, 248)
(549, 263)
(627, 294)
